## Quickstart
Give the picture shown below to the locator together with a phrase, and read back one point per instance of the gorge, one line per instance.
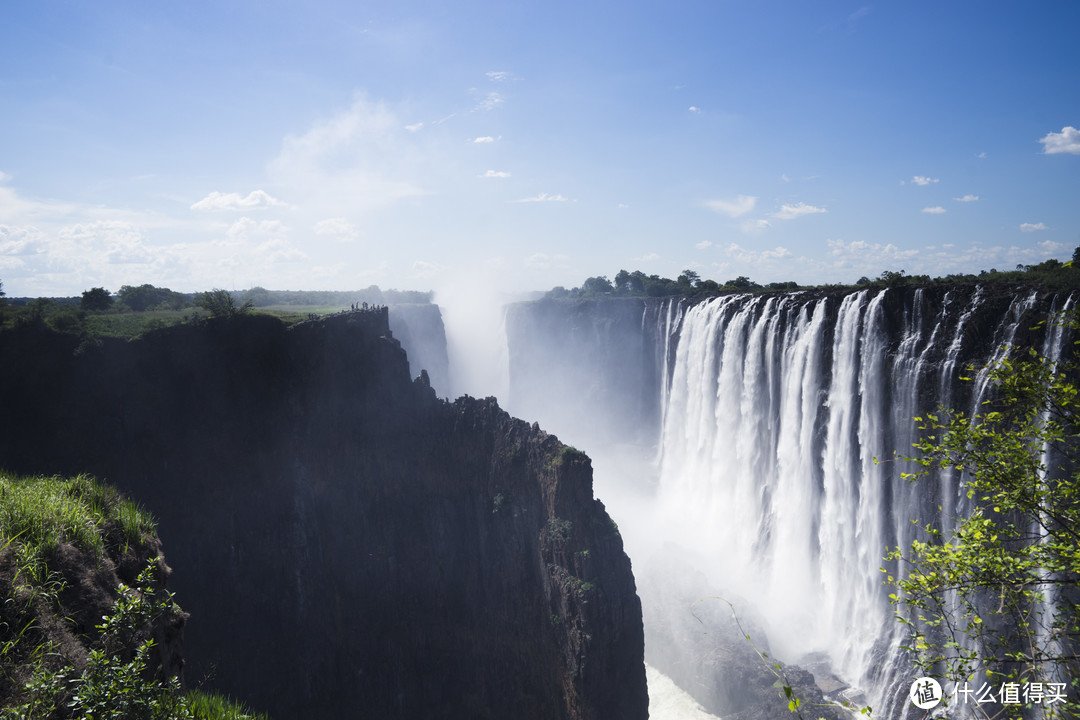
(347, 542)
(769, 431)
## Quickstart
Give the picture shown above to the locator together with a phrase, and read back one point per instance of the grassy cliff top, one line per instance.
(86, 626)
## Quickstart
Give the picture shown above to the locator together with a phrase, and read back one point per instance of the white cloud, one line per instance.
(647, 257)
(747, 256)
(790, 212)
(936, 210)
(703, 244)
(490, 101)
(495, 174)
(360, 159)
(484, 139)
(414, 127)
(120, 242)
(22, 241)
(981, 155)
(338, 228)
(538, 260)
(423, 270)
(860, 253)
(967, 198)
(499, 76)
(1066, 141)
(1033, 227)
(543, 197)
(278, 250)
(755, 226)
(695, 109)
(255, 200)
(920, 180)
(741, 205)
(246, 229)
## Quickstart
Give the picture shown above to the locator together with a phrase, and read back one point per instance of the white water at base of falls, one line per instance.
(669, 702)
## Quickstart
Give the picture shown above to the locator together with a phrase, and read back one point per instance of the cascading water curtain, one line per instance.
(784, 422)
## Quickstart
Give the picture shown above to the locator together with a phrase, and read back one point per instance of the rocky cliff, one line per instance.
(347, 544)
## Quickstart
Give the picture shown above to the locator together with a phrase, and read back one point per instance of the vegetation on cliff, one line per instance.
(134, 310)
(87, 628)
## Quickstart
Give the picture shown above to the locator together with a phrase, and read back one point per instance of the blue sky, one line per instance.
(524, 145)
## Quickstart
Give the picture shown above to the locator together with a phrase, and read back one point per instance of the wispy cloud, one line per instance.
(490, 101)
(1066, 141)
(247, 229)
(499, 75)
(734, 208)
(704, 244)
(542, 197)
(544, 261)
(694, 109)
(484, 139)
(255, 200)
(1033, 227)
(860, 252)
(414, 127)
(338, 228)
(790, 212)
(923, 181)
(745, 255)
(424, 270)
(495, 174)
(967, 198)
(936, 210)
(755, 226)
(359, 159)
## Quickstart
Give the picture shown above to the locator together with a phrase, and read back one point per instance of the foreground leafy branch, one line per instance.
(994, 600)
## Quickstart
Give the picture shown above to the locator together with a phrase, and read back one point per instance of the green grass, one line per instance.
(128, 325)
(132, 324)
(37, 515)
(43, 512)
(213, 706)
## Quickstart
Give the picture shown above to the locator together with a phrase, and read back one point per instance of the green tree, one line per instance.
(688, 279)
(221, 303)
(597, 286)
(96, 299)
(147, 297)
(742, 283)
(996, 597)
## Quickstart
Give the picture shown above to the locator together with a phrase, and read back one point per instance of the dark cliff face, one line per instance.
(347, 544)
(420, 330)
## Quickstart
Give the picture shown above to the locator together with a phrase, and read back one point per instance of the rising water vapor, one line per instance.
(473, 311)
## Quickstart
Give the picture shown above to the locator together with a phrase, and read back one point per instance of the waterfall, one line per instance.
(785, 420)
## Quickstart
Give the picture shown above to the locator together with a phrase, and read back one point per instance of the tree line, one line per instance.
(1051, 274)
